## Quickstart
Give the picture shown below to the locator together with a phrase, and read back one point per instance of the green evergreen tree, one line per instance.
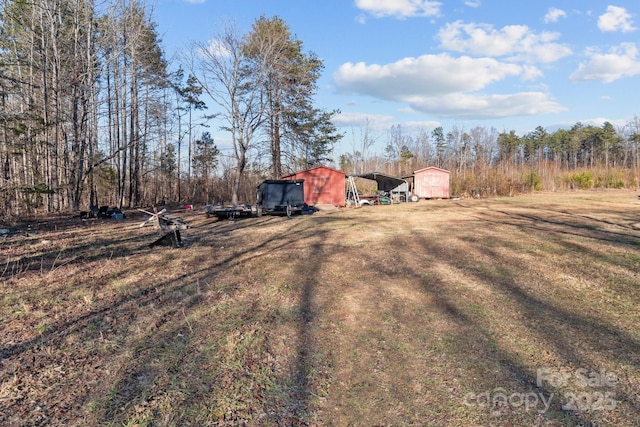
(298, 133)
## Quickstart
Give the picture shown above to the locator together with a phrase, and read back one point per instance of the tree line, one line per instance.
(485, 162)
(93, 113)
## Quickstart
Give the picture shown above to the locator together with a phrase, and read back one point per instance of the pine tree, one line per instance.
(299, 134)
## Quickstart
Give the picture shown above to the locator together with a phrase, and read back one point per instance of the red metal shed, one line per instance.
(322, 185)
(431, 183)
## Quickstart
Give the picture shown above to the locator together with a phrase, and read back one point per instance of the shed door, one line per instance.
(319, 186)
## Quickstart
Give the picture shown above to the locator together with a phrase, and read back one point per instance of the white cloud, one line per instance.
(361, 19)
(616, 19)
(476, 106)
(554, 14)
(473, 3)
(380, 122)
(415, 127)
(530, 73)
(513, 42)
(444, 86)
(598, 122)
(215, 49)
(432, 74)
(361, 120)
(400, 8)
(621, 61)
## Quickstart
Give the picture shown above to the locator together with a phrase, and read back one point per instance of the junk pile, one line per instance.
(102, 212)
(168, 226)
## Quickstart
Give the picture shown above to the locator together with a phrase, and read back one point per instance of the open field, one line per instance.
(506, 312)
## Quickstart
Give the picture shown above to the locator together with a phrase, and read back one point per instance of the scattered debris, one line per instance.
(163, 221)
(172, 238)
(102, 212)
(170, 225)
(309, 210)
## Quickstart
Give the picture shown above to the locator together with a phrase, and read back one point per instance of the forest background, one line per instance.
(92, 112)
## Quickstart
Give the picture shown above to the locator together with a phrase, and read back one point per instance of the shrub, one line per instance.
(533, 180)
(581, 180)
(610, 180)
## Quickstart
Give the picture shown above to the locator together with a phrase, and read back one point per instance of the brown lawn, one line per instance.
(506, 312)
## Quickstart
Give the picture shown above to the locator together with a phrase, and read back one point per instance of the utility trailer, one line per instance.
(229, 212)
(280, 197)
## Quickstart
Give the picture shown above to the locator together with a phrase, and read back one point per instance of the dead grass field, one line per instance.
(502, 312)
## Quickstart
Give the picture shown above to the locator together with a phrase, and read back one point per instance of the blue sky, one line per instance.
(465, 63)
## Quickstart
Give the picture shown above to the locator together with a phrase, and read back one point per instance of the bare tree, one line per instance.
(234, 84)
(361, 148)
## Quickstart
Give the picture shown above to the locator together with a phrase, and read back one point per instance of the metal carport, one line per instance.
(387, 183)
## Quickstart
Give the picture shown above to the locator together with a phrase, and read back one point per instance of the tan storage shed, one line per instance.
(431, 183)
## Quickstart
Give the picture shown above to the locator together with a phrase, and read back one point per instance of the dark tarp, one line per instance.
(385, 182)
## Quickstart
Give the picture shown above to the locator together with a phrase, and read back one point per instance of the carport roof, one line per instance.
(385, 182)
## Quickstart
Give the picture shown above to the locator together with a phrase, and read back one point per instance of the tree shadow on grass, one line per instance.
(292, 404)
(571, 225)
(486, 353)
(153, 372)
(569, 334)
(113, 322)
(487, 360)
